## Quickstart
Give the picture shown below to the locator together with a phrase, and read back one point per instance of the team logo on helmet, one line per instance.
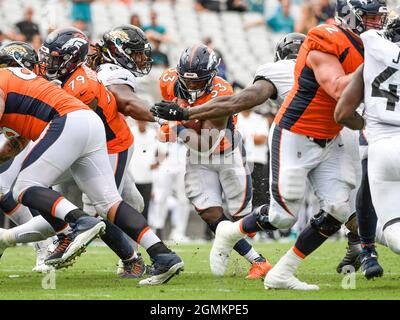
(74, 42)
(119, 36)
(16, 50)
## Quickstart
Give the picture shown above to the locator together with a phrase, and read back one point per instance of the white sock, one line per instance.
(20, 215)
(36, 229)
(147, 238)
(251, 255)
(62, 207)
(288, 263)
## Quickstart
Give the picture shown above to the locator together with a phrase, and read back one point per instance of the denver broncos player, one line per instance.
(19, 54)
(38, 228)
(72, 140)
(271, 81)
(215, 164)
(306, 140)
(81, 82)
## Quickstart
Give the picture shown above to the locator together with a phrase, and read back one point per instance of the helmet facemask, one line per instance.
(137, 61)
(194, 86)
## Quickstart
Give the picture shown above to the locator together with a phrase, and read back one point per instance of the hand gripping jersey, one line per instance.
(170, 91)
(280, 74)
(84, 85)
(31, 102)
(381, 82)
(308, 109)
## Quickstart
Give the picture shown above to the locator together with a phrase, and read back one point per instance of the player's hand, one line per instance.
(169, 111)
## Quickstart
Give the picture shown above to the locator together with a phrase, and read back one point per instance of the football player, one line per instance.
(272, 81)
(305, 123)
(81, 82)
(375, 83)
(217, 168)
(73, 142)
(38, 228)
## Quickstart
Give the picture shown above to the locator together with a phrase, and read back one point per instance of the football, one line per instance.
(195, 125)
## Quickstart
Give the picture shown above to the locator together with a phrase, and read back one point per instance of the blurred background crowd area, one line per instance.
(243, 33)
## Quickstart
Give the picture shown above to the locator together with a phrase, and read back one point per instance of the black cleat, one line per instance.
(72, 245)
(165, 266)
(133, 268)
(352, 257)
(369, 263)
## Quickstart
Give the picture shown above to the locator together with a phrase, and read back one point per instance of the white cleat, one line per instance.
(222, 247)
(43, 249)
(5, 240)
(276, 280)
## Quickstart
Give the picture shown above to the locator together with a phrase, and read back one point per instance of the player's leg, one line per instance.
(350, 140)
(367, 223)
(94, 176)
(236, 183)
(64, 140)
(332, 181)
(9, 170)
(384, 180)
(20, 214)
(131, 263)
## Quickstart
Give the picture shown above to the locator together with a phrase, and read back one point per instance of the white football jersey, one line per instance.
(381, 82)
(110, 74)
(281, 74)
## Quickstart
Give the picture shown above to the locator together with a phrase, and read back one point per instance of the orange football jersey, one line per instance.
(31, 102)
(83, 84)
(220, 87)
(308, 109)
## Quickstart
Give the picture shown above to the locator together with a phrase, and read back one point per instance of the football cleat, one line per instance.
(72, 245)
(278, 280)
(352, 257)
(221, 248)
(165, 266)
(43, 248)
(259, 268)
(133, 268)
(369, 263)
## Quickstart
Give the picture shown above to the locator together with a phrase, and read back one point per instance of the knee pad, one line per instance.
(339, 210)
(325, 224)
(391, 233)
(292, 183)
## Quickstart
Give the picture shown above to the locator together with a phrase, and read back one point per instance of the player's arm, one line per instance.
(219, 107)
(129, 104)
(329, 72)
(12, 147)
(345, 111)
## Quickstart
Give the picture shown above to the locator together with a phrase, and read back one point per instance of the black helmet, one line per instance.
(288, 47)
(392, 30)
(197, 64)
(19, 54)
(63, 51)
(353, 14)
(128, 47)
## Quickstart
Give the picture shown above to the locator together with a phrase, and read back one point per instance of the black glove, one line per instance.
(169, 111)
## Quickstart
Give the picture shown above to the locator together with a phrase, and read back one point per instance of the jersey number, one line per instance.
(391, 94)
(78, 78)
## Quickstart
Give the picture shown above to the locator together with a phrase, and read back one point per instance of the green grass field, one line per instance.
(93, 277)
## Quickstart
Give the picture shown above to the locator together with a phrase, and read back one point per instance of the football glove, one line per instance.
(170, 111)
